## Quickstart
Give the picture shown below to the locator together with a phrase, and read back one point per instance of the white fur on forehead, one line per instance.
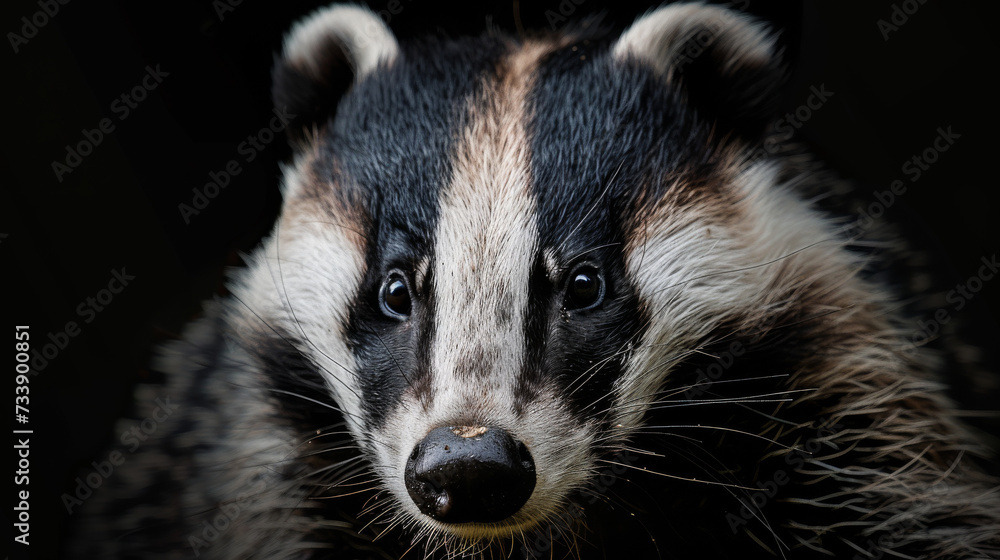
(363, 36)
(663, 37)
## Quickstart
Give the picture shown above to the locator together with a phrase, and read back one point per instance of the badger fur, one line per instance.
(567, 295)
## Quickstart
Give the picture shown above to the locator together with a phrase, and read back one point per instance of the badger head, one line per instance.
(498, 253)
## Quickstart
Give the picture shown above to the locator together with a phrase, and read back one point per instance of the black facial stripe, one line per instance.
(579, 352)
(537, 324)
(295, 380)
(596, 126)
(394, 137)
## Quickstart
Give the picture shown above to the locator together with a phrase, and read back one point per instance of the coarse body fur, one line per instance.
(744, 385)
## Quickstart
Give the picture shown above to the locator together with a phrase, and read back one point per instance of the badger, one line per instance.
(564, 295)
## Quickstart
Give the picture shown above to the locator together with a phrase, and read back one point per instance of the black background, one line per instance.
(119, 208)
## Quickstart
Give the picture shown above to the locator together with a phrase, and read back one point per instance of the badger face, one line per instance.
(495, 252)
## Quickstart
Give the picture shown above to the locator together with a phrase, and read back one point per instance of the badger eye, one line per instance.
(395, 296)
(585, 289)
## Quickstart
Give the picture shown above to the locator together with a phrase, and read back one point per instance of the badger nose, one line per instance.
(469, 474)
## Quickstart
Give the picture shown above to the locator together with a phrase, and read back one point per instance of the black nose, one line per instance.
(465, 474)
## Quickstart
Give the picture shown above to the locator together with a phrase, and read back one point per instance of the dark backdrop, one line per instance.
(64, 235)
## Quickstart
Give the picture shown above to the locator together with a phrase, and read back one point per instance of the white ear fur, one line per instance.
(725, 63)
(670, 36)
(362, 35)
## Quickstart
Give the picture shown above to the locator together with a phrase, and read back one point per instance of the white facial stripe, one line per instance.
(486, 242)
(303, 281)
(694, 272)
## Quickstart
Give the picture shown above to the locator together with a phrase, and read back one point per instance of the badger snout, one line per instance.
(463, 474)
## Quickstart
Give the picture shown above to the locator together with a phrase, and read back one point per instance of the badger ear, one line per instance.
(726, 63)
(323, 55)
